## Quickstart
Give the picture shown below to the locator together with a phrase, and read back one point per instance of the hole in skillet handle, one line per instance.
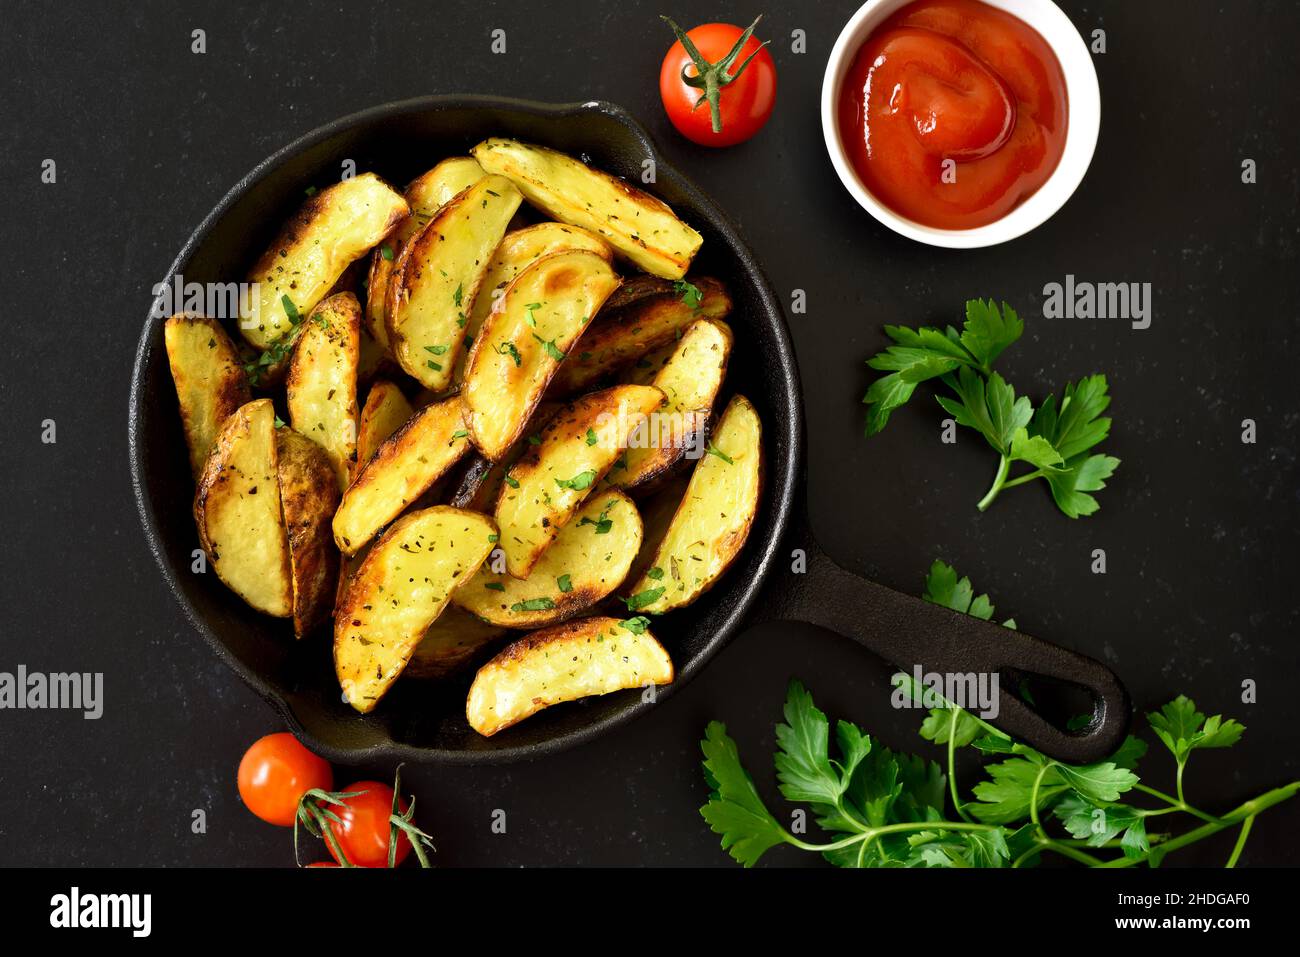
(912, 633)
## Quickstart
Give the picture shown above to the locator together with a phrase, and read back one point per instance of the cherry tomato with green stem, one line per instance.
(363, 826)
(718, 83)
(275, 773)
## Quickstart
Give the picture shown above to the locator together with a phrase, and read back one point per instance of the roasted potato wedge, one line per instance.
(589, 558)
(309, 494)
(638, 287)
(321, 384)
(405, 466)
(616, 340)
(436, 277)
(714, 518)
(425, 196)
(524, 341)
(519, 249)
(450, 644)
(639, 227)
(479, 485)
(374, 358)
(386, 410)
(578, 659)
(553, 478)
(333, 228)
(237, 510)
(399, 591)
(657, 510)
(210, 380)
(690, 377)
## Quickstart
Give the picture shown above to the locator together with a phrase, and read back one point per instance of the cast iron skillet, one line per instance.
(420, 721)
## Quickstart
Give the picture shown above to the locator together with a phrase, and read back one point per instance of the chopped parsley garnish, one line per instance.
(533, 604)
(636, 625)
(290, 310)
(579, 482)
(603, 523)
(564, 583)
(643, 598)
(551, 349)
(508, 349)
(690, 293)
(714, 450)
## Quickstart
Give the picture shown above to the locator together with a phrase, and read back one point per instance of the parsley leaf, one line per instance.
(1053, 441)
(636, 625)
(734, 810)
(643, 598)
(1183, 729)
(578, 482)
(508, 349)
(602, 522)
(550, 348)
(1071, 484)
(987, 332)
(690, 293)
(534, 604)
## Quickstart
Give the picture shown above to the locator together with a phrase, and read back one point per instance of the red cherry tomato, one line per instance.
(744, 102)
(362, 831)
(275, 773)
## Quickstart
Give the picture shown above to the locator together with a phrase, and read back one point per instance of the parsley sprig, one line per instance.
(882, 808)
(1055, 440)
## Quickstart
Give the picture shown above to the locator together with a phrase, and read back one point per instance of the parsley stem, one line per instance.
(902, 828)
(1175, 804)
(1251, 808)
(952, 766)
(1050, 844)
(999, 480)
(1022, 479)
(1241, 841)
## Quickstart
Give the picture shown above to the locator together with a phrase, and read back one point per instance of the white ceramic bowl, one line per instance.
(1080, 138)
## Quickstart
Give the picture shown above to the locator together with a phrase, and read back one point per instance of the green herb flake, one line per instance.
(533, 604)
(579, 482)
(714, 450)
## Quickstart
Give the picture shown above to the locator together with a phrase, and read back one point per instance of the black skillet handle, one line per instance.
(908, 631)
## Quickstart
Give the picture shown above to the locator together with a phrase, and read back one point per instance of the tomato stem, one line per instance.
(712, 77)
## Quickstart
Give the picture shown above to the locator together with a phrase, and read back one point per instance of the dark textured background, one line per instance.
(1199, 529)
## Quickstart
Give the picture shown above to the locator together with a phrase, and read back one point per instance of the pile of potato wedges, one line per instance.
(481, 415)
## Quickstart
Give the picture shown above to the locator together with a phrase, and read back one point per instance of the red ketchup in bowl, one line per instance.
(953, 112)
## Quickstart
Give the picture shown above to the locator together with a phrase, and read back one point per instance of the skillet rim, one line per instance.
(781, 477)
